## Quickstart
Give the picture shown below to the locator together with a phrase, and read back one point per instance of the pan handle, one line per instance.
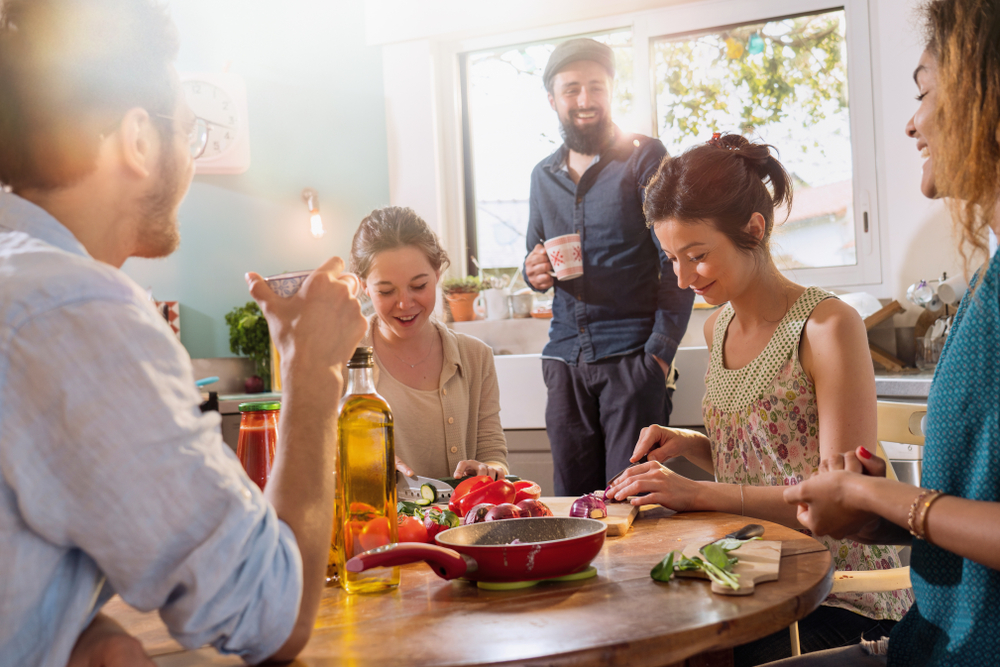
(446, 563)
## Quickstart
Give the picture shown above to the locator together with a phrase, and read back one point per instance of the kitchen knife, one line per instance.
(408, 488)
(745, 533)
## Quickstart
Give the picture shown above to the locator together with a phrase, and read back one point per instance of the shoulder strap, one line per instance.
(719, 336)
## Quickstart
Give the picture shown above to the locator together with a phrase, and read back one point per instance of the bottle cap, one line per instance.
(362, 358)
(259, 406)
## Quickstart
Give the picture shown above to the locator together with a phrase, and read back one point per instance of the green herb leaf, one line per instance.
(664, 570)
(715, 555)
(728, 544)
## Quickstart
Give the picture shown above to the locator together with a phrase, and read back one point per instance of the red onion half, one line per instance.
(589, 507)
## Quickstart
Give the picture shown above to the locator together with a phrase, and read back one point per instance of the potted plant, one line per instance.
(460, 294)
(249, 337)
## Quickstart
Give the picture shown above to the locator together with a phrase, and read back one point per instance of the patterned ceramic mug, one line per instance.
(566, 256)
(287, 284)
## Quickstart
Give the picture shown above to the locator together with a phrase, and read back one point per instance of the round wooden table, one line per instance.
(620, 617)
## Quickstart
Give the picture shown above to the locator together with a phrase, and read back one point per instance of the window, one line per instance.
(510, 128)
(783, 82)
(793, 73)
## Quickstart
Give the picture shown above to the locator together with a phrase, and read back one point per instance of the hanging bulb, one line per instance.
(315, 220)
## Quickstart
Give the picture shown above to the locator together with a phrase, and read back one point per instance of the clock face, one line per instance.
(218, 108)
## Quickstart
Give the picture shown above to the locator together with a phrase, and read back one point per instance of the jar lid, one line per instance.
(262, 405)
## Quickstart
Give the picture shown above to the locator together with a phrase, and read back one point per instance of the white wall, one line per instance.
(916, 232)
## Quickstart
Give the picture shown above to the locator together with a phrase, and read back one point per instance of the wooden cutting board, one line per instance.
(619, 519)
(759, 562)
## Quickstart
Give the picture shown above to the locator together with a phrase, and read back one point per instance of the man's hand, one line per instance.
(538, 269)
(104, 643)
(664, 366)
(320, 324)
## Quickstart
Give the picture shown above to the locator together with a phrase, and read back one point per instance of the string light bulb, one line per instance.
(315, 220)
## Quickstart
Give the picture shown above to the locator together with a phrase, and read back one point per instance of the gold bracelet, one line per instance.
(742, 505)
(918, 509)
(924, 509)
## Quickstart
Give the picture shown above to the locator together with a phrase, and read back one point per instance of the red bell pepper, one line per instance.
(495, 493)
(464, 488)
(526, 490)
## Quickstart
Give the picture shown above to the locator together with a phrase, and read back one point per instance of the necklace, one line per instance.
(413, 365)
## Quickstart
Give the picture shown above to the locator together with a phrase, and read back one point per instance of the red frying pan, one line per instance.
(510, 550)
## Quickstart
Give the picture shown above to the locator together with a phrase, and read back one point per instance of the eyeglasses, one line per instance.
(197, 136)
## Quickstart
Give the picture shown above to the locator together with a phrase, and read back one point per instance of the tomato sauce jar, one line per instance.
(258, 439)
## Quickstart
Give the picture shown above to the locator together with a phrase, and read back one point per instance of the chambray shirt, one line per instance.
(111, 479)
(627, 299)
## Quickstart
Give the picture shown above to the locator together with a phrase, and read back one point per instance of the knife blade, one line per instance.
(408, 488)
(745, 533)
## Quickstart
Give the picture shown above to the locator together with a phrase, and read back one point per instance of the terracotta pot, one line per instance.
(462, 306)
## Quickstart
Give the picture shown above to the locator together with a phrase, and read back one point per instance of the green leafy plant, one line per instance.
(249, 337)
(715, 562)
(463, 285)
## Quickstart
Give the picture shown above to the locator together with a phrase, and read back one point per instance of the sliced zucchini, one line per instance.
(428, 493)
(423, 502)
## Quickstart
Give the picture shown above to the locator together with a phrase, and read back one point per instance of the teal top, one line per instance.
(955, 620)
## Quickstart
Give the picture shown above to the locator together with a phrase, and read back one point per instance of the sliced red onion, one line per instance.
(589, 507)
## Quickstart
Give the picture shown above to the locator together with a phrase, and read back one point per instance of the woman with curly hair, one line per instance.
(952, 522)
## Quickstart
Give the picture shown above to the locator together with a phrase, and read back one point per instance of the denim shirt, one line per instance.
(627, 298)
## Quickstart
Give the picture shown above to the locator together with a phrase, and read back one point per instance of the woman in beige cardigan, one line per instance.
(441, 385)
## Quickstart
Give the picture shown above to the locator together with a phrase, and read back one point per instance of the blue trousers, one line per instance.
(595, 413)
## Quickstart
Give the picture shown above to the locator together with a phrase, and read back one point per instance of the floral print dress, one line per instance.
(762, 422)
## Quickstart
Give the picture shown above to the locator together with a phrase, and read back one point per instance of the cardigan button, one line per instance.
(444, 391)
(451, 420)
(454, 450)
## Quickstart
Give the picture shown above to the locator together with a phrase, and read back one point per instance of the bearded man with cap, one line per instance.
(615, 329)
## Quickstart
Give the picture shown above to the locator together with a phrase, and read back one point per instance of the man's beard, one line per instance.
(589, 140)
(159, 233)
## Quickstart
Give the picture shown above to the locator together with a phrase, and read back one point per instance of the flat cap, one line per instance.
(581, 48)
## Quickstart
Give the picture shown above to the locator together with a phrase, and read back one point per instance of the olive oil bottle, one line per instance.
(365, 512)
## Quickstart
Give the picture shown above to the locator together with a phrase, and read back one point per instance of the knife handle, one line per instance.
(747, 531)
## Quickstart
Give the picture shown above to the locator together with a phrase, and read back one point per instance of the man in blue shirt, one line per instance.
(616, 328)
(111, 478)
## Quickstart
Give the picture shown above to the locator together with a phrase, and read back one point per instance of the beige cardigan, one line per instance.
(469, 415)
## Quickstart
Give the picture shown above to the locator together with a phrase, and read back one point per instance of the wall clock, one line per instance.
(221, 99)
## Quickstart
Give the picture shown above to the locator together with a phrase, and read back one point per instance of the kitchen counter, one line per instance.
(906, 384)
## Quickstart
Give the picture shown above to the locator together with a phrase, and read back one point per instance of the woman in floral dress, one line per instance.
(790, 381)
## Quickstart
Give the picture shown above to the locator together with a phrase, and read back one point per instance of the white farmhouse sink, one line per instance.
(523, 395)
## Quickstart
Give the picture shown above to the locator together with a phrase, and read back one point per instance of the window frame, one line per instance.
(647, 26)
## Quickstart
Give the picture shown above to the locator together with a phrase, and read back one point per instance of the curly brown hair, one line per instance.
(390, 228)
(723, 182)
(964, 37)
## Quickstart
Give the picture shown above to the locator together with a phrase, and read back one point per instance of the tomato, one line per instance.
(375, 534)
(465, 488)
(352, 536)
(526, 490)
(411, 530)
(436, 521)
(494, 493)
